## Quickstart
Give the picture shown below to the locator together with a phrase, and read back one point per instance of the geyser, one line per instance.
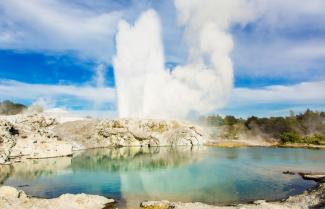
(146, 89)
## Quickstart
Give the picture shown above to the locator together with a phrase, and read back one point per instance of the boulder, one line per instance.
(11, 198)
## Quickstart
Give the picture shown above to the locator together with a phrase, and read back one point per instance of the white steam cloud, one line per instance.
(146, 89)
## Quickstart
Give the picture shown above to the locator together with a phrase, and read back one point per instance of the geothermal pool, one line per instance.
(205, 174)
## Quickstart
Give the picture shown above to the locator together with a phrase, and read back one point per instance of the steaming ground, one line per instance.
(203, 84)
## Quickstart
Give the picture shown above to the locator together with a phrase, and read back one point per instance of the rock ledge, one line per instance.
(11, 198)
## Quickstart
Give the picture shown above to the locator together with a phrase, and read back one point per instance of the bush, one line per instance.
(315, 139)
(9, 108)
(230, 120)
(290, 137)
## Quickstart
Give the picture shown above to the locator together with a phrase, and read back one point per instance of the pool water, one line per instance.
(206, 174)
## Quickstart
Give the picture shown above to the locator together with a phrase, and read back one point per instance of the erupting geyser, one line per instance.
(146, 89)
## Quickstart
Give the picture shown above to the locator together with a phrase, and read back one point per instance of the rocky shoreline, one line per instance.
(313, 198)
(11, 198)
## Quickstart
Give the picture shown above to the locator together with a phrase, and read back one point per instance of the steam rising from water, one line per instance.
(146, 89)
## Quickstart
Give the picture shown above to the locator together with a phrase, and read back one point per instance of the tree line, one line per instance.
(307, 127)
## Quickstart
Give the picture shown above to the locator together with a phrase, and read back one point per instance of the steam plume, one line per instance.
(203, 84)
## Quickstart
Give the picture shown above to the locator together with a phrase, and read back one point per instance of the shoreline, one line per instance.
(310, 198)
(246, 143)
(38, 136)
(231, 144)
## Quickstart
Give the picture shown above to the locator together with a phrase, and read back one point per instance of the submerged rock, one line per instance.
(11, 198)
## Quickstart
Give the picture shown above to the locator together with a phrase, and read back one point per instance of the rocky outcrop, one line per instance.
(30, 136)
(314, 198)
(36, 138)
(85, 134)
(42, 136)
(136, 132)
(7, 140)
(80, 134)
(11, 198)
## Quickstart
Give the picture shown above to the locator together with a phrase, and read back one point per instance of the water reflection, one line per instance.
(134, 158)
(133, 174)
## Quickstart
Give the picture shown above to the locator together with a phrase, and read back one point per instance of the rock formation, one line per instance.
(129, 132)
(42, 136)
(35, 138)
(7, 140)
(11, 198)
(136, 132)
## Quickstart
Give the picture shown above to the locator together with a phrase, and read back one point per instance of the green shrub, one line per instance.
(10, 108)
(315, 139)
(290, 137)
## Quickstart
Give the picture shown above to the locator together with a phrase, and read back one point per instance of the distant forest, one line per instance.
(307, 127)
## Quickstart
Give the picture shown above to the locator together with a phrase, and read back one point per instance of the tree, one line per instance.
(230, 120)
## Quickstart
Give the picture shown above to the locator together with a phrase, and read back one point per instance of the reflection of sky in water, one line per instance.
(212, 175)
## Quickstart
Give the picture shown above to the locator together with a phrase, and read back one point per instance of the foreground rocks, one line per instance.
(314, 198)
(11, 198)
(42, 135)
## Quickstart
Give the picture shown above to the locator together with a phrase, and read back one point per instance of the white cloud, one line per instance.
(56, 26)
(301, 93)
(19, 90)
(276, 100)
(279, 14)
(286, 39)
(280, 57)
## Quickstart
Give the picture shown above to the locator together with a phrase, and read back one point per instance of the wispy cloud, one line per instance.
(57, 26)
(302, 93)
(276, 100)
(286, 39)
(18, 90)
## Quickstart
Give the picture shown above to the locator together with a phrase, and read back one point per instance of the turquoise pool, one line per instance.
(205, 174)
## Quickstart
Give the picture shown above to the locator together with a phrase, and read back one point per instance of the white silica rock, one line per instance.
(149, 132)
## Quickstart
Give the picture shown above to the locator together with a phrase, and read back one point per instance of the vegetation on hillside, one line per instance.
(307, 127)
(10, 108)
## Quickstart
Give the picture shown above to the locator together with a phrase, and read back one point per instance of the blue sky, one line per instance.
(50, 52)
